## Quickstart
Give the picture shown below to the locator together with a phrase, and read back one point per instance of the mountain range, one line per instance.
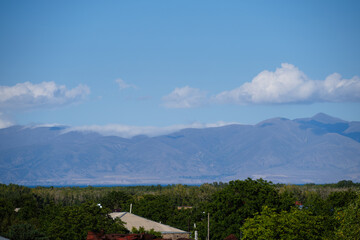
(320, 149)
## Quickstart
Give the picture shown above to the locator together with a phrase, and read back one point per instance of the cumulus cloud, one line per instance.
(29, 95)
(286, 84)
(127, 131)
(123, 85)
(337, 89)
(290, 85)
(185, 97)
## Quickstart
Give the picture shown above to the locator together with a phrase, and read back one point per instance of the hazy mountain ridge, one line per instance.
(317, 149)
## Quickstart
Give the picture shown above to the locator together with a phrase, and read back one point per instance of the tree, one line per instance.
(142, 230)
(236, 202)
(346, 184)
(316, 204)
(13, 196)
(6, 214)
(348, 221)
(25, 232)
(293, 225)
(287, 200)
(115, 200)
(158, 208)
(341, 199)
(76, 221)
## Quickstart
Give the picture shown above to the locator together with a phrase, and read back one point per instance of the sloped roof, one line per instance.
(132, 220)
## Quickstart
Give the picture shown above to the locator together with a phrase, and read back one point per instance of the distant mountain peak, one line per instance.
(271, 121)
(324, 118)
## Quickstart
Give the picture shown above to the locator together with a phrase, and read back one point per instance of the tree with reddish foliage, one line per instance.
(231, 237)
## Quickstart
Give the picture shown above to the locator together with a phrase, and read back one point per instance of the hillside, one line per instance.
(320, 149)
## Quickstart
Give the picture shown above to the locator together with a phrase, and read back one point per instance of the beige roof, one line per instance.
(132, 220)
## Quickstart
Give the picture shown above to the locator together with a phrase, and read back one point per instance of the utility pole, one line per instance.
(208, 235)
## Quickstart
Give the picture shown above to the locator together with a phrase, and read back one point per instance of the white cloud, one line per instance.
(185, 97)
(127, 131)
(290, 85)
(123, 85)
(47, 125)
(286, 84)
(337, 89)
(29, 95)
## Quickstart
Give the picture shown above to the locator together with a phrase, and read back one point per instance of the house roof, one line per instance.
(132, 220)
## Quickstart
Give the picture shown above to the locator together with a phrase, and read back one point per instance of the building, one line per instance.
(131, 220)
(102, 236)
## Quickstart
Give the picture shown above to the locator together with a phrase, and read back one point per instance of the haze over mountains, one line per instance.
(321, 149)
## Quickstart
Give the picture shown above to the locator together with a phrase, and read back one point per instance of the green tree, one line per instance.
(25, 231)
(341, 199)
(142, 230)
(348, 221)
(13, 196)
(238, 201)
(183, 219)
(346, 184)
(116, 199)
(7, 214)
(74, 222)
(155, 207)
(287, 200)
(293, 225)
(316, 204)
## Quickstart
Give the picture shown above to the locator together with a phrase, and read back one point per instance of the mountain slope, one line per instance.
(318, 149)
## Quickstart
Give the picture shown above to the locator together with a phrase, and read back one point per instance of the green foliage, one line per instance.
(15, 193)
(157, 208)
(236, 202)
(287, 200)
(116, 200)
(346, 184)
(341, 199)
(69, 212)
(74, 222)
(293, 225)
(184, 219)
(7, 214)
(316, 204)
(348, 221)
(25, 232)
(142, 230)
(14, 196)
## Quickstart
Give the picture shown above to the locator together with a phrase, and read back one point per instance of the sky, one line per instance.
(155, 66)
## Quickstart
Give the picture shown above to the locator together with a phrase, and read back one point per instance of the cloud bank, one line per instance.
(185, 97)
(127, 131)
(29, 95)
(43, 95)
(286, 84)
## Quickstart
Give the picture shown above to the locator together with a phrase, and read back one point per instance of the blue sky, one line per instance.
(177, 63)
